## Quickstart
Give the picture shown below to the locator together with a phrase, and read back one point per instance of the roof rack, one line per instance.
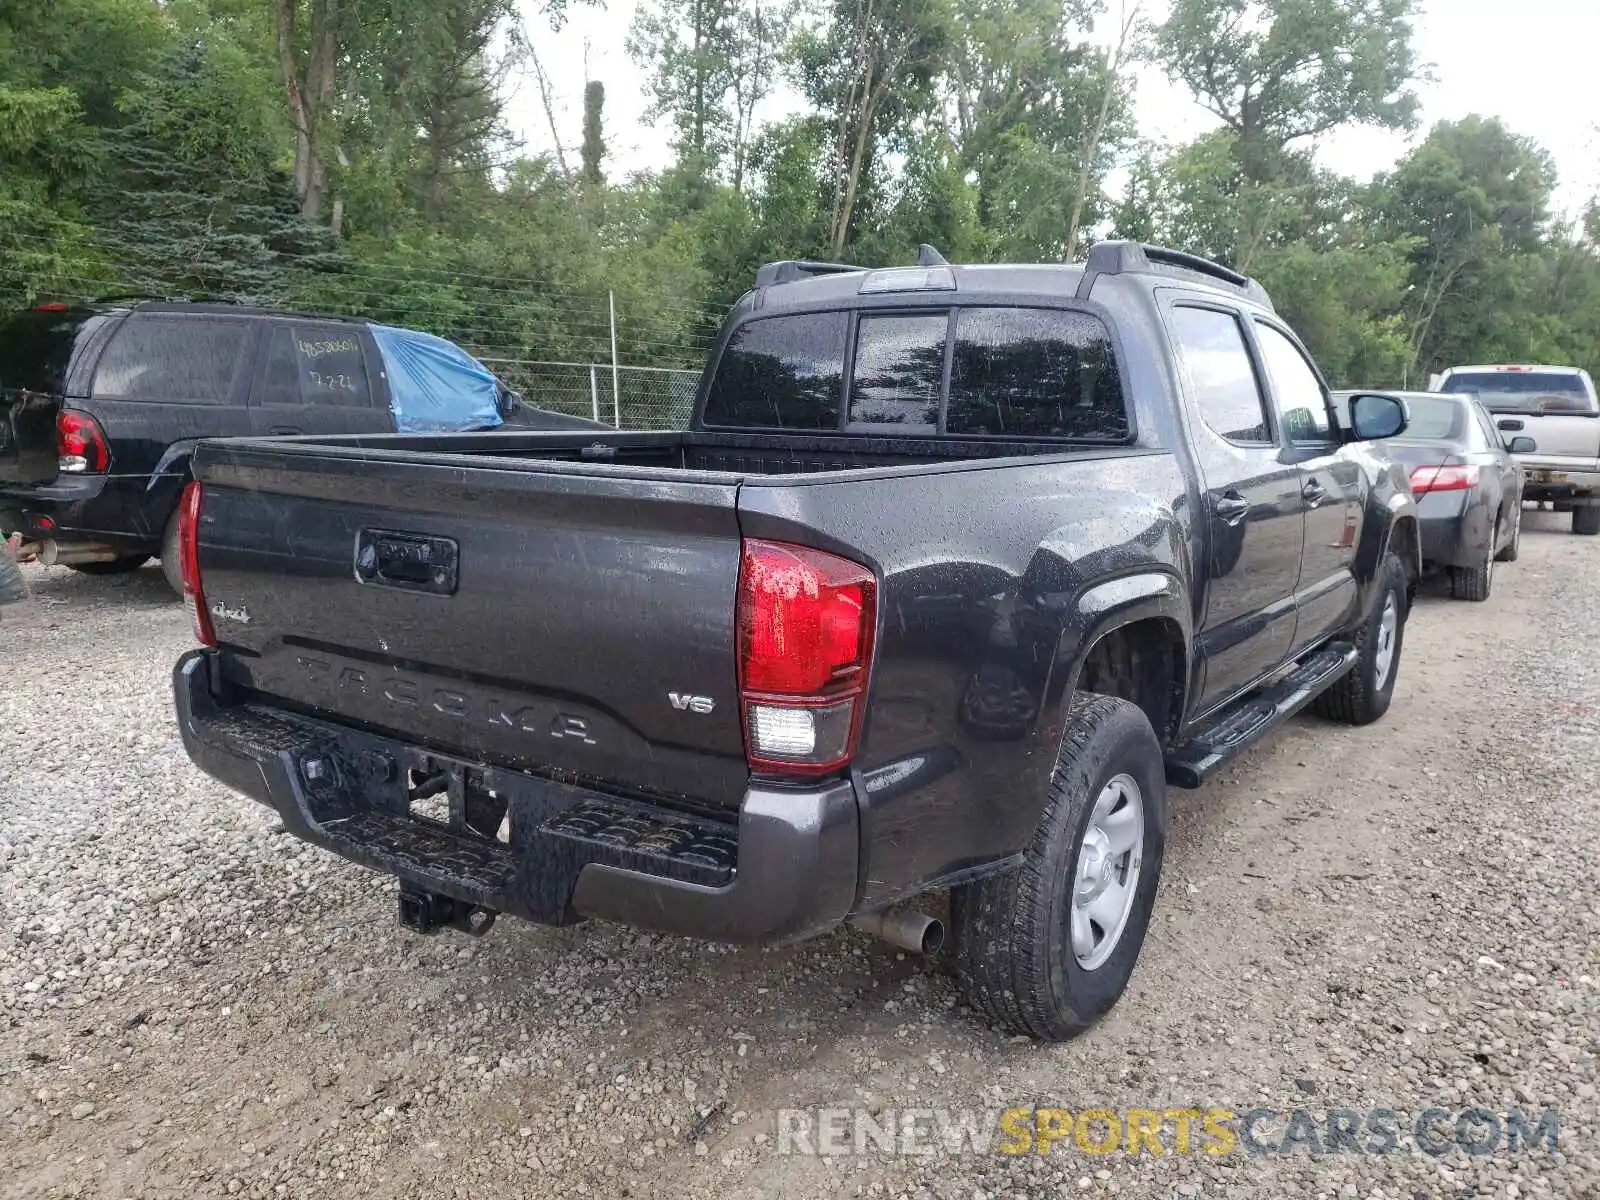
(791, 270)
(1135, 258)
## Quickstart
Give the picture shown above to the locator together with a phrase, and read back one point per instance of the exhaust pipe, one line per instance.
(53, 554)
(913, 931)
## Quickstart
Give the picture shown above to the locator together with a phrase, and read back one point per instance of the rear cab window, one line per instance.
(1524, 390)
(172, 360)
(969, 371)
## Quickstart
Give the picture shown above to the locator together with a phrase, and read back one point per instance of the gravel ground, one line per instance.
(194, 1004)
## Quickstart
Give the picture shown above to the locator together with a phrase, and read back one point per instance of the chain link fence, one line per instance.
(626, 397)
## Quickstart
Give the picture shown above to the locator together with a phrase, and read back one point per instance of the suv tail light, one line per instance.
(194, 595)
(1442, 479)
(806, 621)
(80, 444)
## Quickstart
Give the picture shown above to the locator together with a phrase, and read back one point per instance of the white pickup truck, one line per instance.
(1557, 408)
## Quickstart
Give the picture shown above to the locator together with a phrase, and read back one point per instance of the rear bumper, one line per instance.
(1577, 489)
(129, 511)
(784, 869)
(1453, 533)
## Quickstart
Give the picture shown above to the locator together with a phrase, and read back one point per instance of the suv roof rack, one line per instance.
(790, 270)
(1136, 258)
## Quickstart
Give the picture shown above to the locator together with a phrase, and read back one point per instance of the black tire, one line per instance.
(1510, 550)
(1359, 697)
(1012, 945)
(169, 556)
(1474, 583)
(12, 586)
(125, 565)
(1586, 520)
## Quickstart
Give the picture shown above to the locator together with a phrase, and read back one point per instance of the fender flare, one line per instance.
(1114, 604)
(1398, 507)
(174, 459)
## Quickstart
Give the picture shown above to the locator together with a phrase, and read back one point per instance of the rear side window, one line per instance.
(1226, 391)
(311, 364)
(173, 360)
(781, 373)
(898, 373)
(1486, 427)
(1035, 372)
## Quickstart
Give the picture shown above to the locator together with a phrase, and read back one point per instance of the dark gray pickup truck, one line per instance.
(955, 571)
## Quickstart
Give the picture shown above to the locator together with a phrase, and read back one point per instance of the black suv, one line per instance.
(101, 405)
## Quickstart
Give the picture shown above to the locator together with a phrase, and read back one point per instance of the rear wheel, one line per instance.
(1586, 519)
(117, 566)
(169, 556)
(1509, 554)
(1048, 948)
(1473, 583)
(1362, 695)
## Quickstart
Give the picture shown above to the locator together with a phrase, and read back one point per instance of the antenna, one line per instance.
(927, 256)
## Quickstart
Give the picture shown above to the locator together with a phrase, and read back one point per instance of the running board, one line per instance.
(1245, 723)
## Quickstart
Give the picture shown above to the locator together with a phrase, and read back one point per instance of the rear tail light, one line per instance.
(1442, 479)
(806, 621)
(194, 595)
(80, 444)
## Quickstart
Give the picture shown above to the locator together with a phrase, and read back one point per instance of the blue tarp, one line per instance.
(434, 385)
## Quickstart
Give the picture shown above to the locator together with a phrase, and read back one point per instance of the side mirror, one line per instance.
(507, 401)
(1375, 416)
(1510, 425)
(1522, 445)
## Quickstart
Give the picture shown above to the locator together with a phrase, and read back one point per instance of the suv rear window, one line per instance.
(1015, 373)
(36, 348)
(171, 360)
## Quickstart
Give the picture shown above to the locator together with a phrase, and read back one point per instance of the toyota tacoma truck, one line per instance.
(1557, 408)
(955, 570)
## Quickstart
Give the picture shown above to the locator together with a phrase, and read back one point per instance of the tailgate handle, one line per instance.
(415, 562)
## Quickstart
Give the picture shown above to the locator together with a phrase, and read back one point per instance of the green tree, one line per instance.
(710, 64)
(1474, 200)
(193, 202)
(1040, 113)
(1276, 72)
(871, 71)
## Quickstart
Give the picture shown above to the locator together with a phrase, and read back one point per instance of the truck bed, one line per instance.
(504, 597)
(728, 453)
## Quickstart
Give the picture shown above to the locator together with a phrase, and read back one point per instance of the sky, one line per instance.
(1530, 62)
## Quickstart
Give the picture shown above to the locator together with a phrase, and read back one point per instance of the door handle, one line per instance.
(286, 429)
(1314, 493)
(1232, 507)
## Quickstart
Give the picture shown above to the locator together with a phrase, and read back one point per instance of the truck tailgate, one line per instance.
(1566, 442)
(542, 620)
